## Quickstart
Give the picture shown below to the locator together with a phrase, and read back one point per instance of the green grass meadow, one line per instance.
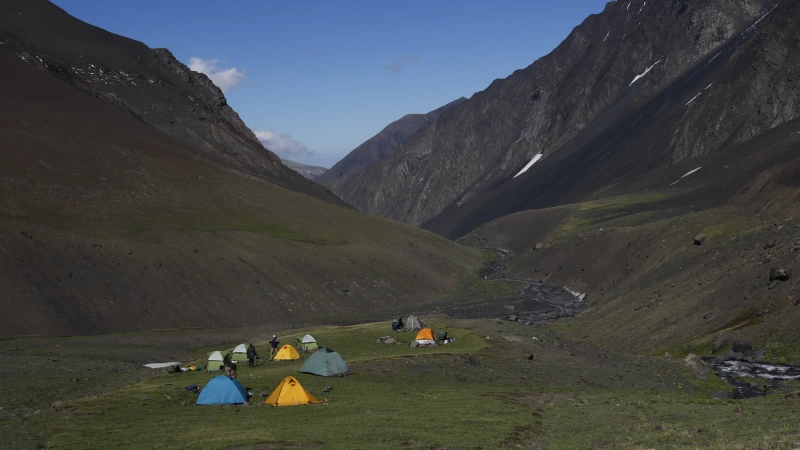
(417, 398)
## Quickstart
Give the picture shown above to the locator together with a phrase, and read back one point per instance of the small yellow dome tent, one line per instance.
(290, 393)
(287, 353)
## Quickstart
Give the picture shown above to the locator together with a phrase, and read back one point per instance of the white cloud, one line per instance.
(283, 144)
(225, 79)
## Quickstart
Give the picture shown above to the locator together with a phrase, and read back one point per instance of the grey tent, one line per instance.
(412, 324)
(326, 363)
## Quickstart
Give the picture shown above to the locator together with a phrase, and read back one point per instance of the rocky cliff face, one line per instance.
(377, 147)
(606, 83)
(149, 84)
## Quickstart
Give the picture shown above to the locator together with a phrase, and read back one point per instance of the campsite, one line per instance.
(481, 391)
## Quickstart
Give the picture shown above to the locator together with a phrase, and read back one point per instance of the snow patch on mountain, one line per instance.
(644, 73)
(530, 164)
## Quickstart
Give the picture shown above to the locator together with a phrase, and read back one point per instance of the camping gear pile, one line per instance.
(387, 340)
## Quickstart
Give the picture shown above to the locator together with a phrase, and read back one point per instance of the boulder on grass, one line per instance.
(700, 239)
(697, 365)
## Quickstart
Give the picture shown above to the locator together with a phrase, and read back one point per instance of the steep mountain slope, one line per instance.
(738, 91)
(151, 85)
(377, 147)
(649, 287)
(310, 172)
(108, 225)
(614, 82)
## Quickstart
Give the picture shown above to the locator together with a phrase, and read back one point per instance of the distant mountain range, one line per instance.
(377, 147)
(310, 172)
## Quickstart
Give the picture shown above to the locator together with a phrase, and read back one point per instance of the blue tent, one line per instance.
(222, 390)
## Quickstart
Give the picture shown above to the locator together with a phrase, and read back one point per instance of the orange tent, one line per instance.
(290, 393)
(425, 334)
(287, 353)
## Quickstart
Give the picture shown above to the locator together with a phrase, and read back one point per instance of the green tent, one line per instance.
(327, 363)
(307, 343)
(214, 361)
(239, 353)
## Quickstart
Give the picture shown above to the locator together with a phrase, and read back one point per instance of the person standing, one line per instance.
(274, 347)
(232, 371)
(251, 355)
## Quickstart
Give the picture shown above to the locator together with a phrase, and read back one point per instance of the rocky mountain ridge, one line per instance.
(149, 84)
(377, 147)
(609, 70)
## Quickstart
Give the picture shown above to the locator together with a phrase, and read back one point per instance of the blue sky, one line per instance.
(317, 78)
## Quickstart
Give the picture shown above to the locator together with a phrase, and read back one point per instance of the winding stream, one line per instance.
(732, 371)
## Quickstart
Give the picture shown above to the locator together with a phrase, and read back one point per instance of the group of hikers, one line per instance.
(230, 367)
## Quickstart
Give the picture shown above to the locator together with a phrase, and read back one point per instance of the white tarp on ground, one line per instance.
(162, 365)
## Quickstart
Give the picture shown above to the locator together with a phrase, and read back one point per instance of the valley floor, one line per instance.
(481, 391)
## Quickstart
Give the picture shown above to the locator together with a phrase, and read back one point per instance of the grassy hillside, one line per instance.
(110, 225)
(649, 288)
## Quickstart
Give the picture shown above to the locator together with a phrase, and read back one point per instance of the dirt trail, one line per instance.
(537, 301)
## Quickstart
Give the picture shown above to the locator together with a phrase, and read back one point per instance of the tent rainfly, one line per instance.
(307, 343)
(425, 337)
(326, 363)
(214, 362)
(222, 390)
(239, 353)
(287, 353)
(290, 393)
(412, 324)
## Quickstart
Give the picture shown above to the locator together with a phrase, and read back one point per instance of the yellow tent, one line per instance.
(425, 334)
(287, 353)
(290, 393)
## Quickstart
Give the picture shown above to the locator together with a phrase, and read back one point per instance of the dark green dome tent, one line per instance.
(326, 363)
